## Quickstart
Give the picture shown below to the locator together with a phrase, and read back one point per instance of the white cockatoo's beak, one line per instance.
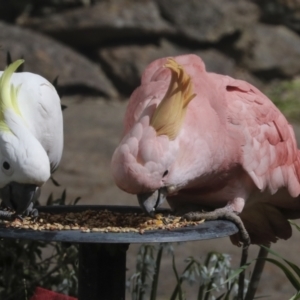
(18, 196)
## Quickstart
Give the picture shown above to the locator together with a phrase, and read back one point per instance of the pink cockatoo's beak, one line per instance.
(149, 202)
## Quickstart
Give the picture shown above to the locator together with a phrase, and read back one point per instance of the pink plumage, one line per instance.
(233, 149)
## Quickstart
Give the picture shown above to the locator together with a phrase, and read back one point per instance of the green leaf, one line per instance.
(237, 272)
(296, 296)
(63, 197)
(8, 58)
(156, 275)
(294, 224)
(50, 199)
(178, 289)
(293, 280)
(55, 82)
(220, 297)
(54, 181)
(229, 290)
(295, 268)
(76, 200)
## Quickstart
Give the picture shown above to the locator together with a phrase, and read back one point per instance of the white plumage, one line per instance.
(31, 135)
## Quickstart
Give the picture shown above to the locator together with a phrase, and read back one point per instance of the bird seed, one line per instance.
(101, 221)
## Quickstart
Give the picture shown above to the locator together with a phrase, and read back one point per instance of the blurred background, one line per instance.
(99, 49)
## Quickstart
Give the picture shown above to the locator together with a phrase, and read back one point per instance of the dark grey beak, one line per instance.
(18, 196)
(149, 202)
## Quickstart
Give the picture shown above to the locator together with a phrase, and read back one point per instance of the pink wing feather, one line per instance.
(270, 154)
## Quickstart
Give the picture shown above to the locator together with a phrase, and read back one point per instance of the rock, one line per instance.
(243, 74)
(217, 62)
(10, 10)
(281, 12)
(50, 59)
(127, 63)
(208, 21)
(113, 20)
(270, 50)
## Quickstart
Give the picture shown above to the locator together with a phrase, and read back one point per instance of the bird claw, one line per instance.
(31, 212)
(6, 215)
(34, 214)
(193, 216)
(223, 214)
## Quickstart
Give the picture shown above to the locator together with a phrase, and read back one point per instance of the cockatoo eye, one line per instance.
(6, 168)
(165, 173)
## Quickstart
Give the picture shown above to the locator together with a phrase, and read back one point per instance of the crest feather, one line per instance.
(8, 94)
(169, 114)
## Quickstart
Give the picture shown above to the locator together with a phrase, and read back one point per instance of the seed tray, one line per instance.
(112, 224)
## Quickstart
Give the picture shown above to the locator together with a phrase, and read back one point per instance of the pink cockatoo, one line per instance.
(208, 142)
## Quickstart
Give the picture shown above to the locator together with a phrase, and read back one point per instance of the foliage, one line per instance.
(214, 276)
(291, 270)
(285, 95)
(27, 264)
(23, 266)
(61, 200)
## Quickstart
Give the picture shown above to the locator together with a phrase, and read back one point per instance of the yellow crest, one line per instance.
(8, 94)
(169, 114)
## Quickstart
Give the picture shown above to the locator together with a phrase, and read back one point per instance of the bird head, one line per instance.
(146, 156)
(24, 164)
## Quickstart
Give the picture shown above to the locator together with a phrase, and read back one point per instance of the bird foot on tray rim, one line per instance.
(221, 214)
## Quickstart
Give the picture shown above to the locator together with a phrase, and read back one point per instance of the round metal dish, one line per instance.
(206, 230)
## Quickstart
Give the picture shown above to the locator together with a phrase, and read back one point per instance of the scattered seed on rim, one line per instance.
(102, 221)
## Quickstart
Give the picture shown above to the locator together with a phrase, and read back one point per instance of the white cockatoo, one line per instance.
(31, 137)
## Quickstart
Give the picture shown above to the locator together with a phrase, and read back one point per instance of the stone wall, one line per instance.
(101, 47)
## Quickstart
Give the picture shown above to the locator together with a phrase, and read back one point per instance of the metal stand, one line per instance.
(102, 256)
(102, 271)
